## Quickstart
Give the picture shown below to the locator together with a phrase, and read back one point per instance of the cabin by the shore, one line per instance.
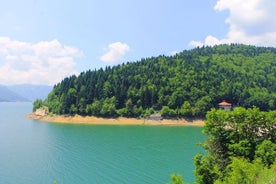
(225, 105)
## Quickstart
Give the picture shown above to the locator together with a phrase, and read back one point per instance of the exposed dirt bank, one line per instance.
(77, 119)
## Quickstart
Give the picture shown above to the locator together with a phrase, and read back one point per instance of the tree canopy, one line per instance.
(241, 147)
(184, 85)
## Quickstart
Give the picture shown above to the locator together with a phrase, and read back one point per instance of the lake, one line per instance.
(38, 152)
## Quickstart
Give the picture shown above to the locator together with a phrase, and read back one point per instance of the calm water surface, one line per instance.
(35, 152)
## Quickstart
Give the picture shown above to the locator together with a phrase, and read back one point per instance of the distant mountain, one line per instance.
(7, 95)
(23, 92)
(31, 92)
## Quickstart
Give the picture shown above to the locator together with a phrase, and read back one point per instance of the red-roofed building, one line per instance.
(225, 105)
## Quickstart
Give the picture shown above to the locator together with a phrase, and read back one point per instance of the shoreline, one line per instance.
(92, 120)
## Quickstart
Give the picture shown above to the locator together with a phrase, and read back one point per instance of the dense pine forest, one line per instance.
(187, 84)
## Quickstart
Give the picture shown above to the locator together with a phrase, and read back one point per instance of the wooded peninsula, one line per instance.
(187, 84)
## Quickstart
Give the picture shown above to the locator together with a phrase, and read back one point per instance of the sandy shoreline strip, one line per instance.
(77, 119)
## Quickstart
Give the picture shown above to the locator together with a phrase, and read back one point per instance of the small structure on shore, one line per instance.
(225, 105)
(155, 117)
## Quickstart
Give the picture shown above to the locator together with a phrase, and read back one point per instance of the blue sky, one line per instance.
(43, 41)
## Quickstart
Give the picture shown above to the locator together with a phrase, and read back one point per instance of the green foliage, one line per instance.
(108, 107)
(267, 152)
(189, 83)
(267, 175)
(176, 179)
(167, 112)
(186, 110)
(148, 112)
(240, 149)
(240, 145)
(105, 108)
(37, 104)
(241, 171)
(206, 169)
(94, 108)
(130, 110)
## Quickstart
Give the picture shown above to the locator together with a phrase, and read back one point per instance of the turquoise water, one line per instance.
(36, 152)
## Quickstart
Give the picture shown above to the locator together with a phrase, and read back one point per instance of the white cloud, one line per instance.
(250, 22)
(116, 51)
(45, 62)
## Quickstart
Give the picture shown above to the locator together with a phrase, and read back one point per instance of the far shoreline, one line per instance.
(92, 120)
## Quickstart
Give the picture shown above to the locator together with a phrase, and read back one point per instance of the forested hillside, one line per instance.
(187, 84)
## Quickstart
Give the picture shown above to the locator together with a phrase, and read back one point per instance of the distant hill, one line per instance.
(31, 92)
(23, 93)
(6, 95)
(187, 84)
